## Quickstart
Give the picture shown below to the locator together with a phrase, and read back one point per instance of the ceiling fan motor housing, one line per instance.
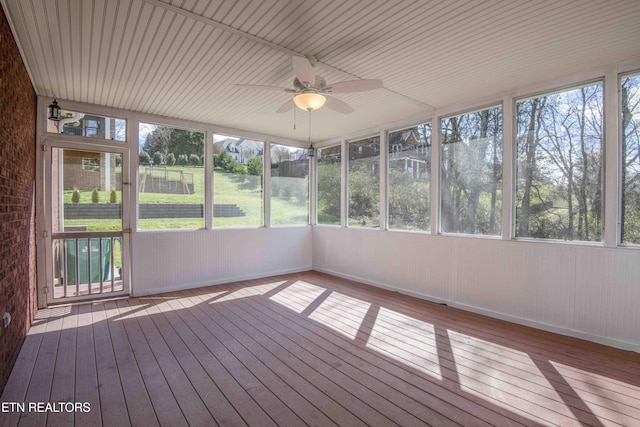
(320, 84)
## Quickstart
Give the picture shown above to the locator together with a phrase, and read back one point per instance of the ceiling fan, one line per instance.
(310, 90)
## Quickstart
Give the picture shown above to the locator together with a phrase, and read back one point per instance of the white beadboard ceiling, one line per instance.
(181, 58)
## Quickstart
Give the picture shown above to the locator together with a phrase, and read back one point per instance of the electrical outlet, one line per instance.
(6, 319)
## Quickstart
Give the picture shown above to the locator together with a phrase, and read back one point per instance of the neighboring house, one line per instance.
(408, 140)
(84, 170)
(73, 123)
(363, 150)
(300, 154)
(242, 150)
(407, 152)
(88, 170)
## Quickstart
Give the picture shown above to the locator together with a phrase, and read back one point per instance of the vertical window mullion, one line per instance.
(344, 184)
(311, 188)
(383, 168)
(266, 185)
(208, 180)
(508, 169)
(436, 227)
(611, 152)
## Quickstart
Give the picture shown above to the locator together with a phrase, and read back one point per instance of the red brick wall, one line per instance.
(17, 199)
(75, 176)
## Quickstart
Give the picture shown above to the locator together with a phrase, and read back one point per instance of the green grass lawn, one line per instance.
(245, 191)
(242, 190)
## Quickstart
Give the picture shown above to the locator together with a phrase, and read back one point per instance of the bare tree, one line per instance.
(158, 141)
(560, 165)
(470, 155)
(279, 154)
(528, 165)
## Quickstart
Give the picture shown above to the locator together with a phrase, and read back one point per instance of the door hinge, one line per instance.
(44, 147)
(126, 231)
(45, 234)
(46, 289)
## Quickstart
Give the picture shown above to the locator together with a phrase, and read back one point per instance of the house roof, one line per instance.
(182, 58)
(235, 145)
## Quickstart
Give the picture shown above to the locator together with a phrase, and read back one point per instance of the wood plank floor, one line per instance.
(308, 349)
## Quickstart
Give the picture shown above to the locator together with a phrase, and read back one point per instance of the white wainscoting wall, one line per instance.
(583, 291)
(175, 260)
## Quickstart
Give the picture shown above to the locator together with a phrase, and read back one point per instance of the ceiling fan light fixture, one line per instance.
(309, 101)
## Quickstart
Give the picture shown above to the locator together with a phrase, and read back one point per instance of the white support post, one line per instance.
(611, 148)
(44, 226)
(344, 193)
(383, 180)
(266, 189)
(133, 128)
(130, 192)
(208, 179)
(434, 221)
(508, 167)
(107, 171)
(313, 211)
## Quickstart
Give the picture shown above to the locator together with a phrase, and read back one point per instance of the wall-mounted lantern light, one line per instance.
(54, 111)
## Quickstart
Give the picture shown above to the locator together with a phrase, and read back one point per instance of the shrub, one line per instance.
(238, 168)
(157, 158)
(95, 196)
(254, 167)
(329, 189)
(183, 159)
(171, 159)
(113, 197)
(194, 159)
(143, 158)
(75, 196)
(224, 160)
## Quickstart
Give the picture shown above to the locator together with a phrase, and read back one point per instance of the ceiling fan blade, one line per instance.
(304, 71)
(274, 88)
(336, 105)
(287, 106)
(353, 86)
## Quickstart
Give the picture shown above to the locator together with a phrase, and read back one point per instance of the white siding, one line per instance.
(173, 260)
(608, 293)
(583, 291)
